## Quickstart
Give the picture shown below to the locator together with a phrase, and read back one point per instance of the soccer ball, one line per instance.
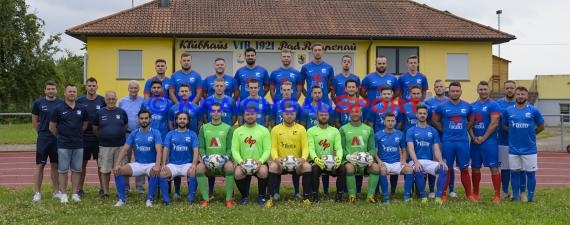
(215, 161)
(289, 163)
(249, 167)
(330, 162)
(363, 159)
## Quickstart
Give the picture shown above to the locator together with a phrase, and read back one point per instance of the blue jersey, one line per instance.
(482, 112)
(502, 134)
(343, 107)
(423, 139)
(158, 107)
(228, 107)
(318, 75)
(389, 145)
(92, 106)
(434, 102)
(280, 76)
(279, 107)
(374, 82)
(522, 124)
(407, 81)
(181, 146)
(309, 113)
(453, 120)
(377, 112)
(208, 85)
(339, 82)
(263, 108)
(166, 84)
(245, 74)
(44, 109)
(193, 111)
(192, 79)
(410, 110)
(144, 143)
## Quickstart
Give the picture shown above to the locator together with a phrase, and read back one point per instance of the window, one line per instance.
(397, 58)
(565, 109)
(457, 66)
(130, 64)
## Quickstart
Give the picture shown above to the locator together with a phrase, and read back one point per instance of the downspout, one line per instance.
(368, 56)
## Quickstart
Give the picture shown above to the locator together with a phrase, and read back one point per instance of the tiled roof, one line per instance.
(325, 19)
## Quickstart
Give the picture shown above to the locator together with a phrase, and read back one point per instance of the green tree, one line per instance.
(69, 70)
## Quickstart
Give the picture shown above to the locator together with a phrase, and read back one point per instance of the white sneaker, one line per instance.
(56, 195)
(276, 197)
(75, 198)
(524, 197)
(63, 198)
(431, 195)
(148, 203)
(452, 194)
(119, 203)
(298, 196)
(37, 197)
(176, 196)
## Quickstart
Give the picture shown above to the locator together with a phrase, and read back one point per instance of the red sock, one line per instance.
(466, 181)
(476, 182)
(496, 183)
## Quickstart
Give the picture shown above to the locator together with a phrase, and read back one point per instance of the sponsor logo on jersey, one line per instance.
(357, 141)
(519, 125)
(324, 143)
(250, 141)
(215, 142)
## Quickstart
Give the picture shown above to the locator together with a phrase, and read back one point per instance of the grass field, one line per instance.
(551, 207)
(17, 134)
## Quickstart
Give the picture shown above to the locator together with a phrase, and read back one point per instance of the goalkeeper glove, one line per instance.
(319, 162)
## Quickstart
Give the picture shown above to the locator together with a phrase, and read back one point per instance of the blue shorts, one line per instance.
(455, 151)
(46, 147)
(69, 158)
(486, 153)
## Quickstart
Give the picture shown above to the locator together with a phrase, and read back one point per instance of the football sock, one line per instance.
(523, 182)
(152, 185)
(408, 182)
(505, 179)
(203, 185)
(351, 184)
(531, 184)
(211, 184)
(272, 181)
(192, 185)
(476, 179)
(358, 182)
(120, 183)
(384, 185)
(421, 183)
(451, 178)
(296, 179)
(163, 184)
(393, 183)
(242, 187)
(431, 182)
(325, 180)
(466, 181)
(372, 183)
(316, 174)
(229, 185)
(177, 183)
(516, 183)
(262, 187)
(496, 178)
(341, 181)
(441, 180)
(307, 184)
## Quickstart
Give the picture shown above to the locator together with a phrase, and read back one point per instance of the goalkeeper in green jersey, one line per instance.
(358, 138)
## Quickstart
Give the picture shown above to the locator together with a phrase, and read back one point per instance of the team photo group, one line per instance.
(314, 124)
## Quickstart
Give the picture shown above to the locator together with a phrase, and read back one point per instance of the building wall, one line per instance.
(553, 86)
(552, 107)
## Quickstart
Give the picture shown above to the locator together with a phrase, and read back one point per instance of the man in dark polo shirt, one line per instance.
(110, 126)
(68, 122)
(46, 146)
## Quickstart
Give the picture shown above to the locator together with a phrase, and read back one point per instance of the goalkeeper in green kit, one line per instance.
(358, 138)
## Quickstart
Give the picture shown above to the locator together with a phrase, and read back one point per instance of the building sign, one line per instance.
(262, 45)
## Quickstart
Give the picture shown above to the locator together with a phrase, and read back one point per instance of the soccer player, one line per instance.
(92, 103)
(412, 77)
(359, 137)
(391, 155)
(325, 140)
(317, 73)
(285, 73)
(160, 68)
(377, 111)
(181, 153)
(68, 122)
(410, 107)
(345, 102)
(229, 82)
(423, 147)
(229, 115)
(185, 105)
(251, 141)
(261, 105)
(216, 138)
(42, 111)
(158, 106)
(372, 84)
(249, 72)
(504, 103)
(453, 119)
(147, 145)
(523, 122)
(311, 106)
(110, 126)
(289, 139)
(484, 147)
(339, 81)
(186, 76)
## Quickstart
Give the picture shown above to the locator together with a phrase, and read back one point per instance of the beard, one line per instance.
(250, 61)
(380, 70)
(521, 101)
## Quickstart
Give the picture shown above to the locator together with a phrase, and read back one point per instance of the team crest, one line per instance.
(429, 134)
(324, 70)
(187, 139)
(397, 139)
(389, 82)
(118, 117)
(78, 112)
(150, 139)
(98, 107)
(463, 110)
(484, 109)
(527, 115)
(418, 81)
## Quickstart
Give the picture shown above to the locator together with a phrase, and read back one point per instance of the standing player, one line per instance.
(311, 106)
(504, 103)
(261, 105)
(250, 72)
(439, 89)
(186, 76)
(92, 103)
(523, 122)
(158, 106)
(185, 105)
(251, 141)
(228, 104)
(358, 137)
(209, 82)
(377, 111)
(289, 139)
(160, 68)
(345, 102)
(147, 145)
(373, 83)
(317, 73)
(339, 81)
(285, 73)
(453, 119)
(484, 147)
(42, 111)
(410, 108)
(412, 77)
(68, 122)
(432, 103)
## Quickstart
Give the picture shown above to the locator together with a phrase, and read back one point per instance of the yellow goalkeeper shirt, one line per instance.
(287, 141)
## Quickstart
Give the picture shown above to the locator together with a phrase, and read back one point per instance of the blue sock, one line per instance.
(523, 182)
(452, 180)
(211, 183)
(408, 182)
(177, 183)
(163, 184)
(431, 182)
(358, 179)
(516, 183)
(325, 180)
(296, 183)
(152, 185)
(421, 183)
(393, 183)
(120, 183)
(505, 180)
(531, 185)
(441, 178)
(192, 186)
(383, 180)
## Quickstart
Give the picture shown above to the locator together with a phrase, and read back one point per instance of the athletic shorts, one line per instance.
(523, 162)
(90, 150)
(504, 157)
(486, 154)
(107, 158)
(429, 166)
(141, 168)
(46, 147)
(456, 150)
(179, 170)
(393, 168)
(69, 158)
(359, 170)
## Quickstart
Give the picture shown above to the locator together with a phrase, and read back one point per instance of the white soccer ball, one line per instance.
(363, 159)
(330, 162)
(289, 163)
(216, 161)
(250, 166)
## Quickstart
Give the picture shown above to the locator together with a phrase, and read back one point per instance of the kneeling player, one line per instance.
(423, 139)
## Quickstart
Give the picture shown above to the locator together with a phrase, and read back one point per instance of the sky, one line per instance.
(541, 46)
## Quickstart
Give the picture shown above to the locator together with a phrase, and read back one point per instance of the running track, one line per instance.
(17, 168)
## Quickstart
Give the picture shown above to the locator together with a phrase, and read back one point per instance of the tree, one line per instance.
(69, 70)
